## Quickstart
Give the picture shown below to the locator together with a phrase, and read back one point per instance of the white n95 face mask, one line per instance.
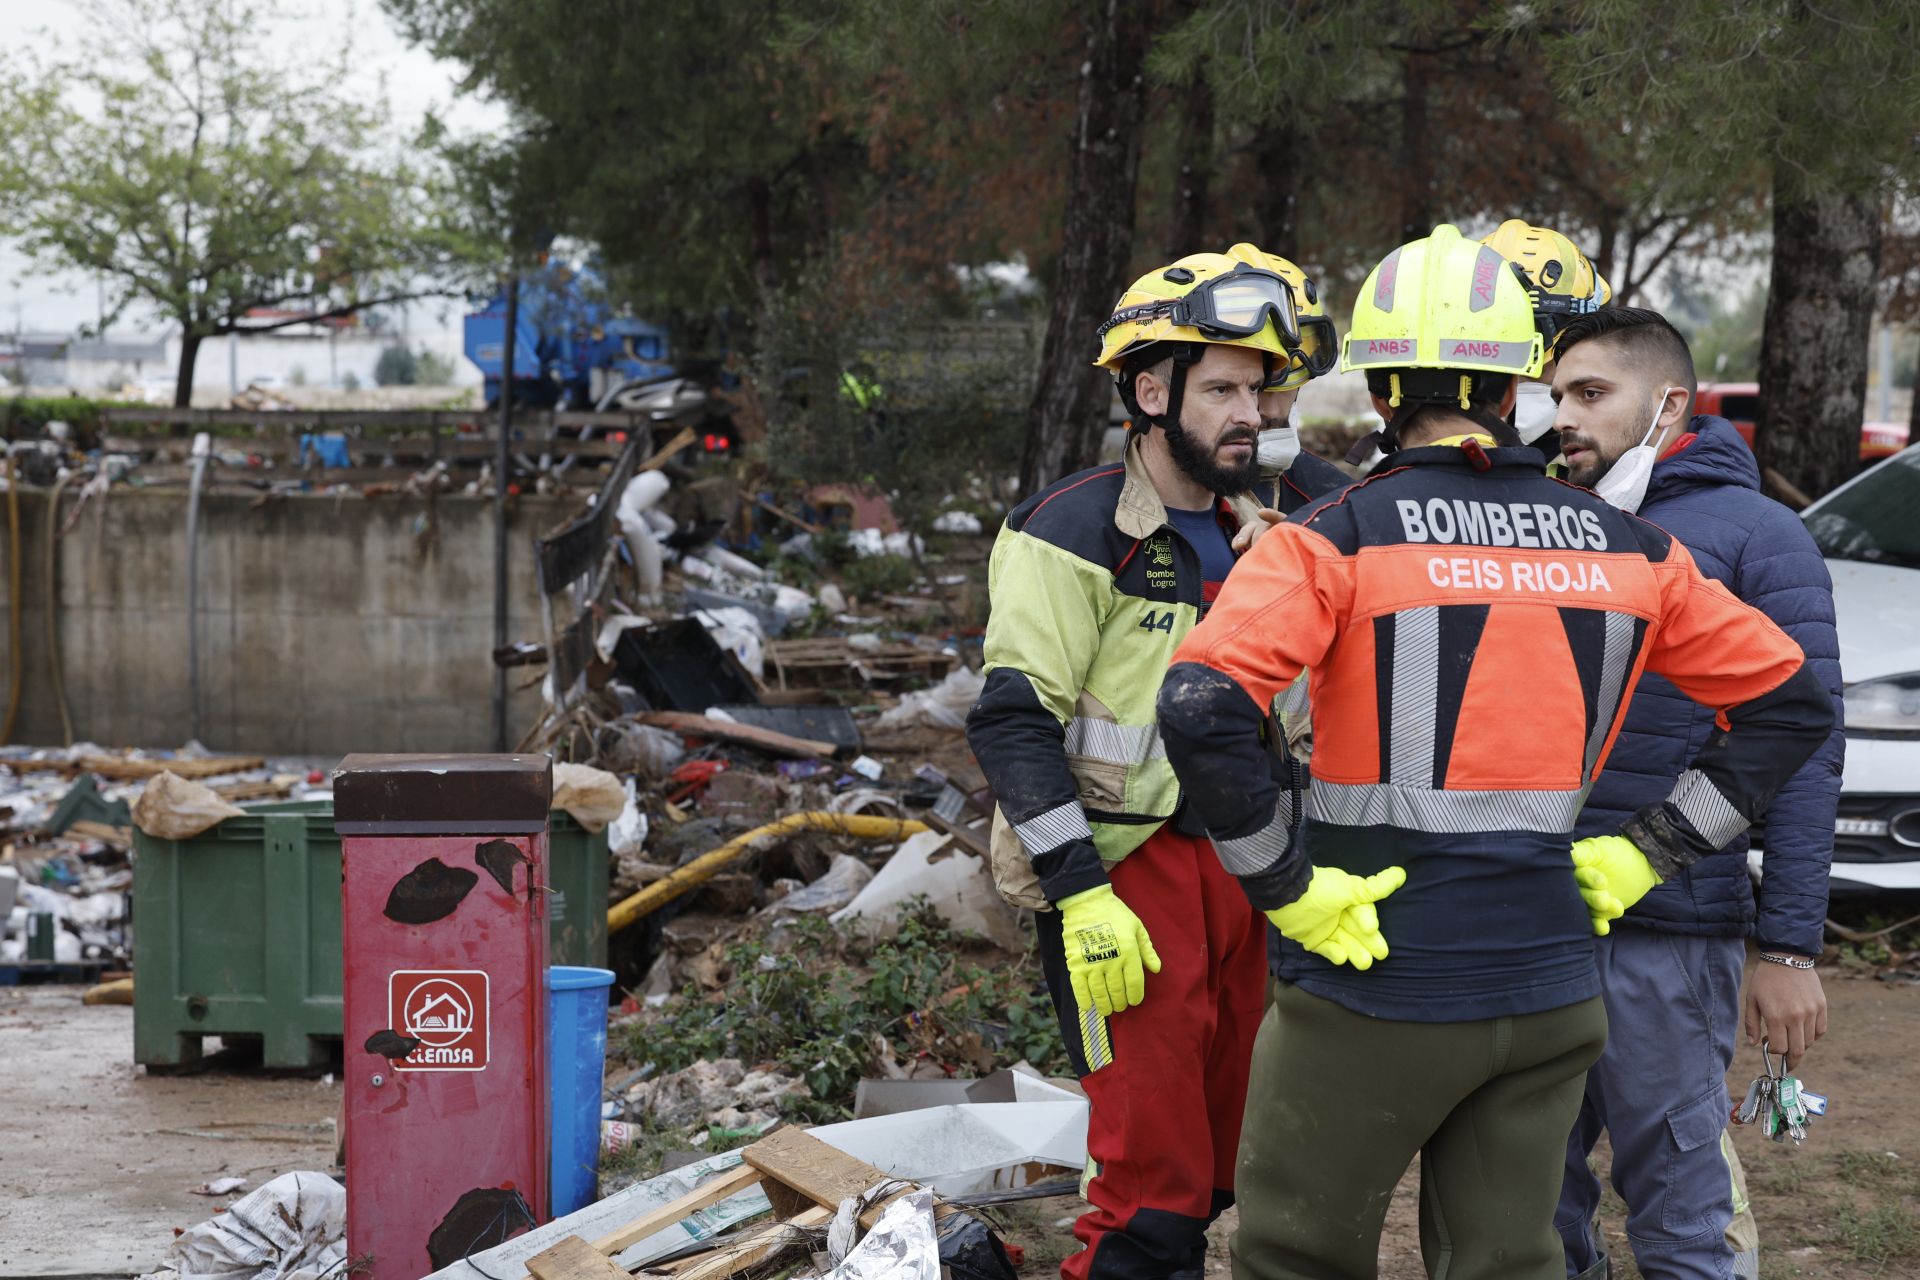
(1279, 446)
(1533, 410)
(1625, 484)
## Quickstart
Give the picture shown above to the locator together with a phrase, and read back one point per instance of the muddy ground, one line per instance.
(98, 1160)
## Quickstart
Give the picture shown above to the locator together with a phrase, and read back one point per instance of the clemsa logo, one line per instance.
(1388, 347)
(1501, 524)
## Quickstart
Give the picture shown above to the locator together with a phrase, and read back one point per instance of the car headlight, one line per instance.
(1890, 704)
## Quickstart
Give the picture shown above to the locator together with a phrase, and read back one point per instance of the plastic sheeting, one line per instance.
(293, 1228)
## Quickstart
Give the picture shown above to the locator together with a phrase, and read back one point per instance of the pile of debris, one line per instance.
(66, 842)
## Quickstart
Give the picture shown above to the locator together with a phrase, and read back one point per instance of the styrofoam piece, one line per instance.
(960, 1149)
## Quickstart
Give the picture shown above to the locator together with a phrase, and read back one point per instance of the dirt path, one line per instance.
(98, 1160)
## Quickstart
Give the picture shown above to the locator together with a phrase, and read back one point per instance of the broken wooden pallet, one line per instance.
(805, 1181)
(137, 768)
(827, 660)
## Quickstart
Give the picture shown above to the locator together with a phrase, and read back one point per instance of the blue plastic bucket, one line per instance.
(576, 1069)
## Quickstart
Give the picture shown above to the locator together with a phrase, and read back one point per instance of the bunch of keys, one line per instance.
(1779, 1102)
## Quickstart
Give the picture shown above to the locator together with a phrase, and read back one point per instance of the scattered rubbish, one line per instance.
(955, 883)
(834, 725)
(747, 735)
(706, 1091)
(176, 808)
(903, 1245)
(702, 868)
(682, 665)
(944, 706)
(592, 797)
(627, 834)
(840, 885)
(868, 768)
(629, 747)
(292, 1228)
(969, 1250)
(220, 1186)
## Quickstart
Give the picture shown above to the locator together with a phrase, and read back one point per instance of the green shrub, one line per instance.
(815, 1006)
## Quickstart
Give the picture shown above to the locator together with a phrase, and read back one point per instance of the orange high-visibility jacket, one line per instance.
(1473, 631)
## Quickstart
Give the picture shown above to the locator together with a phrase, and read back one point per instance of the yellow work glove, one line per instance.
(1612, 875)
(1335, 918)
(1106, 947)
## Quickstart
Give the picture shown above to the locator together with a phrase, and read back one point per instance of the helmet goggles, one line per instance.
(1238, 304)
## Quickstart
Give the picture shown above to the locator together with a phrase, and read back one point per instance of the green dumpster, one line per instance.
(236, 931)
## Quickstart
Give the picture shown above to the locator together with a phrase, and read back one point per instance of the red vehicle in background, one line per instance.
(1739, 403)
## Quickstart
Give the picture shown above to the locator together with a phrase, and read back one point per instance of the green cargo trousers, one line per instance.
(1338, 1105)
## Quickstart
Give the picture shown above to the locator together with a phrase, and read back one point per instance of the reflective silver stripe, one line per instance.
(1294, 701)
(1128, 744)
(1500, 355)
(1385, 277)
(1616, 648)
(1093, 1038)
(1250, 855)
(1711, 813)
(1415, 697)
(1487, 269)
(1045, 832)
(1368, 804)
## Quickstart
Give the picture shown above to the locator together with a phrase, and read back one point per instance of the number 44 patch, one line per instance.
(1156, 620)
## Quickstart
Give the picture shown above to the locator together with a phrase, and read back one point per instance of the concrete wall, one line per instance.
(327, 625)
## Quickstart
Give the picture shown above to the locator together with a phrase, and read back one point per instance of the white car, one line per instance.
(1869, 531)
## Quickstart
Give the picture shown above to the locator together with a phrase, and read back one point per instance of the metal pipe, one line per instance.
(53, 608)
(202, 450)
(16, 660)
(861, 826)
(502, 461)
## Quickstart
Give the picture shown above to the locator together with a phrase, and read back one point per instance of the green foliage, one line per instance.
(1725, 338)
(22, 417)
(1827, 93)
(174, 158)
(815, 1006)
(433, 369)
(871, 577)
(396, 367)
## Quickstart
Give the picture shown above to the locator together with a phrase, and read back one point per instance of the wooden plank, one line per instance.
(573, 1259)
(131, 770)
(779, 744)
(756, 1248)
(795, 1159)
(732, 1182)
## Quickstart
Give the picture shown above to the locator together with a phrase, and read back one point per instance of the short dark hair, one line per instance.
(1638, 332)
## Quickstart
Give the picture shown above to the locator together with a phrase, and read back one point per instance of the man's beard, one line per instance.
(1204, 466)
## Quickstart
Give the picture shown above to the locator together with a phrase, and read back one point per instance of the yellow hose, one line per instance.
(861, 826)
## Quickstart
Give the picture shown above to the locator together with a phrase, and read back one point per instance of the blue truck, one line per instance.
(572, 349)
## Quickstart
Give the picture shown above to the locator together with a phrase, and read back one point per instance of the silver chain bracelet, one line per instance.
(1792, 962)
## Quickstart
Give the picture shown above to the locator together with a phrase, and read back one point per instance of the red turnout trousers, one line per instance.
(1167, 1078)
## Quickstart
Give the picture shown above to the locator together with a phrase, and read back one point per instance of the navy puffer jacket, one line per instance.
(1708, 496)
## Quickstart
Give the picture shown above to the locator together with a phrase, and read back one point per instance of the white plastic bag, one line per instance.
(944, 706)
(592, 797)
(627, 834)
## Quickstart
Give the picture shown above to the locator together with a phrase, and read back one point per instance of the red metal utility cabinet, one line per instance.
(443, 871)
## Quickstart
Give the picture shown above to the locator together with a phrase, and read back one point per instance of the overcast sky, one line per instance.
(414, 82)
